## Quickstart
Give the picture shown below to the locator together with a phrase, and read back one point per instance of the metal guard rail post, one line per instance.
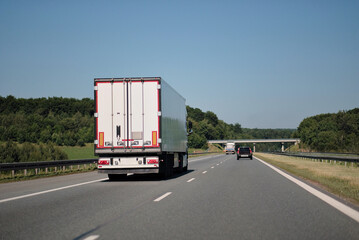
(34, 165)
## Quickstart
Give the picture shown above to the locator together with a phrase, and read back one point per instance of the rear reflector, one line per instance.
(103, 162)
(101, 139)
(154, 138)
(152, 161)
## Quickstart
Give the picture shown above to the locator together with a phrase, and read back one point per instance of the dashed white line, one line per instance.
(51, 190)
(93, 237)
(204, 172)
(217, 164)
(162, 197)
(212, 167)
(191, 180)
(331, 201)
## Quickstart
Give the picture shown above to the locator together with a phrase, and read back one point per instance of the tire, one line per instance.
(185, 169)
(180, 167)
(166, 166)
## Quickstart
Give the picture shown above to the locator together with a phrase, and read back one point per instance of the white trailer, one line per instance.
(230, 148)
(140, 127)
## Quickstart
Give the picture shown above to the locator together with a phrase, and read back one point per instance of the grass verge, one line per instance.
(77, 152)
(340, 180)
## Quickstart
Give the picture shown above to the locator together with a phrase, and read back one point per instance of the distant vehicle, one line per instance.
(230, 148)
(244, 152)
(140, 127)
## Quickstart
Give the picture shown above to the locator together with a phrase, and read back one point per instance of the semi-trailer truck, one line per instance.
(140, 127)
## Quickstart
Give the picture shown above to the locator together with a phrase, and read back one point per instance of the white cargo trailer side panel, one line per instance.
(174, 129)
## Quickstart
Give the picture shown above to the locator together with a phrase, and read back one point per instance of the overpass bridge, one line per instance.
(254, 141)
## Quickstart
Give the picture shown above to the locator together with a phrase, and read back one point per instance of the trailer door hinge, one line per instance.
(95, 142)
(159, 113)
(158, 86)
(95, 115)
(96, 88)
(159, 140)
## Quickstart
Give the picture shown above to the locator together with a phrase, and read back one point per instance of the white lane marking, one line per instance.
(162, 197)
(204, 172)
(217, 164)
(212, 167)
(191, 180)
(93, 237)
(331, 201)
(51, 190)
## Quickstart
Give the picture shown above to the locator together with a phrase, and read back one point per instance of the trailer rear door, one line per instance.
(127, 114)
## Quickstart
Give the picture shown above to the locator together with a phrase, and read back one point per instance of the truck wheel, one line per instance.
(180, 167)
(185, 169)
(166, 166)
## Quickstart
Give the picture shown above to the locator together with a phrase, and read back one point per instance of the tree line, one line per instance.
(63, 121)
(331, 132)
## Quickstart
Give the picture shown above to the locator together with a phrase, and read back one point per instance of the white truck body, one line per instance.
(230, 148)
(140, 126)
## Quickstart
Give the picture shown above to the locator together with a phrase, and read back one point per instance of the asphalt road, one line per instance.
(218, 198)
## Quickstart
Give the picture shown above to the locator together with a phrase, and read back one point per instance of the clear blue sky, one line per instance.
(263, 64)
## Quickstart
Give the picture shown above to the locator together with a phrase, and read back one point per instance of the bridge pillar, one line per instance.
(254, 147)
(282, 147)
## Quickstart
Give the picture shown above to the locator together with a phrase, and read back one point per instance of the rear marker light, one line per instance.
(103, 162)
(152, 161)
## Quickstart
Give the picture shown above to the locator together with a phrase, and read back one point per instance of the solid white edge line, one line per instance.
(191, 180)
(352, 213)
(92, 237)
(51, 190)
(162, 197)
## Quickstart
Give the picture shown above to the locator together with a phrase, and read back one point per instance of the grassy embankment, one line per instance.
(86, 152)
(338, 179)
(212, 148)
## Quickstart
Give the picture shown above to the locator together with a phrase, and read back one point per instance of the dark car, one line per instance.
(244, 152)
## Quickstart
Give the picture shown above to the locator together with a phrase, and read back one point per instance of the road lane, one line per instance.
(235, 199)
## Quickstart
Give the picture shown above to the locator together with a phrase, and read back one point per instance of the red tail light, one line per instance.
(152, 161)
(103, 162)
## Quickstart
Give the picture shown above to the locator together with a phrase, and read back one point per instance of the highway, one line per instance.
(218, 198)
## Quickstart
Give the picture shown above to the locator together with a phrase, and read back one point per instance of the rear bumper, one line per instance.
(244, 155)
(129, 170)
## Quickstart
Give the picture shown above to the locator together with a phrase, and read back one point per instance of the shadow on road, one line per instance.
(148, 177)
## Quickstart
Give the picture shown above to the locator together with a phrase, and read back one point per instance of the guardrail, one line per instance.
(53, 164)
(322, 156)
(44, 165)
